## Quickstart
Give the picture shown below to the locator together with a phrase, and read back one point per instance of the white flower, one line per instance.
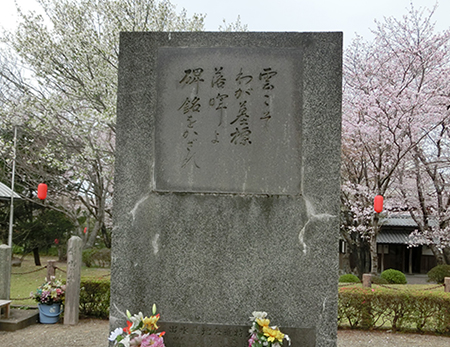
(126, 341)
(287, 338)
(136, 320)
(258, 315)
(115, 333)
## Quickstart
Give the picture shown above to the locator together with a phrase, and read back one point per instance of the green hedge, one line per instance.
(393, 276)
(94, 297)
(349, 278)
(406, 310)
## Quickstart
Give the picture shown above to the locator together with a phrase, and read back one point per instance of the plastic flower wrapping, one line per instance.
(51, 292)
(140, 332)
(264, 335)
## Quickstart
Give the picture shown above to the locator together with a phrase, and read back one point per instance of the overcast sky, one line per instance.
(349, 16)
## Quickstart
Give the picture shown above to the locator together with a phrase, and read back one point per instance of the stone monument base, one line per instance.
(219, 335)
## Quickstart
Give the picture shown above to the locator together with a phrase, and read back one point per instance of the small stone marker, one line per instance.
(447, 284)
(5, 271)
(367, 280)
(71, 308)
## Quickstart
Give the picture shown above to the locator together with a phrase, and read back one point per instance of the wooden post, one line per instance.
(50, 269)
(367, 280)
(447, 284)
(71, 308)
(410, 260)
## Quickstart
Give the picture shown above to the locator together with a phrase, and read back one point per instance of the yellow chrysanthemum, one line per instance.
(263, 322)
(273, 334)
(150, 323)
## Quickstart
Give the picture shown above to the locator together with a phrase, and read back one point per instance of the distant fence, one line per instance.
(367, 283)
(51, 270)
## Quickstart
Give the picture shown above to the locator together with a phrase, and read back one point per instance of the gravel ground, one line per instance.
(91, 332)
(385, 339)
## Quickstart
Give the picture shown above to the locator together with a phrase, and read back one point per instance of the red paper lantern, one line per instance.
(378, 204)
(42, 191)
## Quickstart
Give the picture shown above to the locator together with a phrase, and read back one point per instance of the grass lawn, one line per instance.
(22, 285)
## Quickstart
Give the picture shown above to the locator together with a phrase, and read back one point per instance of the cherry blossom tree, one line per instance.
(64, 95)
(429, 206)
(396, 91)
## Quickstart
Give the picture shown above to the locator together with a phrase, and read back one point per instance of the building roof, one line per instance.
(5, 193)
(402, 221)
(399, 237)
(397, 228)
(398, 221)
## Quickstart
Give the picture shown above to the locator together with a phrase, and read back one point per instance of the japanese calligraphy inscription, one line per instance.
(228, 120)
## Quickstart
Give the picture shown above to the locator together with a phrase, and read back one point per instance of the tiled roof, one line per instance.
(399, 237)
(401, 221)
(5, 192)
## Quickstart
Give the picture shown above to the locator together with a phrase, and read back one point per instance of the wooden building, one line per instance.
(394, 251)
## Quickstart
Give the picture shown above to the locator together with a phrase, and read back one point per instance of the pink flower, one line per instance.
(153, 340)
(251, 340)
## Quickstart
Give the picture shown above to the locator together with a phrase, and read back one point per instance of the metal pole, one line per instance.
(11, 213)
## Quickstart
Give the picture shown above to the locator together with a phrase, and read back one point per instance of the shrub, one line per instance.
(349, 278)
(379, 280)
(394, 276)
(94, 297)
(438, 273)
(97, 257)
(87, 256)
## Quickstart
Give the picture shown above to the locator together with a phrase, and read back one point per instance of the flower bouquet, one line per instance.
(140, 332)
(49, 293)
(262, 335)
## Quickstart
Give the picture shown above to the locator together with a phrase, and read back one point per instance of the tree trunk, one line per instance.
(107, 237)
(92, 235)
(447, 255)
(373, 256)
(373, 247)
(440, 259)
(37, 259)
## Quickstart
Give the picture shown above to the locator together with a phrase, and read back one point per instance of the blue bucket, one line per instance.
(49, 314)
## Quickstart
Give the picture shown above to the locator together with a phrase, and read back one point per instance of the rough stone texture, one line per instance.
(214, 256)
(207, 335)
(72, 302)
(5, 272)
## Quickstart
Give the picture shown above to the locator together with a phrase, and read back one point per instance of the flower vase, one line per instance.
(49, 314)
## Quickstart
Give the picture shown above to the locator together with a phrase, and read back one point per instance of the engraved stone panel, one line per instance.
(228, 120)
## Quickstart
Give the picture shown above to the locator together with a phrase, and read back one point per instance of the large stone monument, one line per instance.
(227, 184)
